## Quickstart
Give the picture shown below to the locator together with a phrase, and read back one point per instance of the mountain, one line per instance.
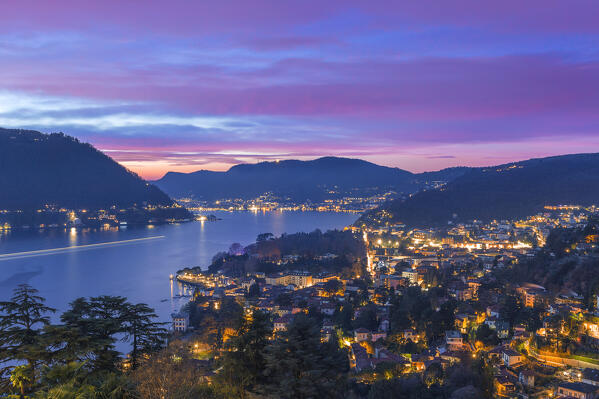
(501, 192)
(299, 181)
(443, 175)
(38, 169)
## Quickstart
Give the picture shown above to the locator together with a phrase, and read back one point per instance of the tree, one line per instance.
(333, 286)
(236, 249)
(264, 237)
(433, 374)
(73, 380)
(437, 322)
(410, 387)
(20, 378)
(254, 291)
(367, 318)
(385, 389)
(335, 359)
(284, 299)
(230, 313)
(91, 328)
(66, 345)
(146, 335)
(486, 335)
(101, 320)
(299, 366)
(467, 392)
(171, 374)
(460, 376)
(410, 347)
(21, 322)
(344, 316)
(243, 361)
(219, 256)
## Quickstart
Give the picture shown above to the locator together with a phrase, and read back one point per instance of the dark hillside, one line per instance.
(38, 169)
(500, 192)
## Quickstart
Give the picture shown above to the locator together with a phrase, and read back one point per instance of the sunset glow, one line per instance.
(205, 85)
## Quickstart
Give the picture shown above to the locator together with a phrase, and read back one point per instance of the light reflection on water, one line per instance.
(138, 270)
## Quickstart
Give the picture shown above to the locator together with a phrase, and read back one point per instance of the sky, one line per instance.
(184, 85)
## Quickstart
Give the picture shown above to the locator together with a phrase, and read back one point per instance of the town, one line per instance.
(53, 217)
(423, 302)
(269, 202)
(299, 199)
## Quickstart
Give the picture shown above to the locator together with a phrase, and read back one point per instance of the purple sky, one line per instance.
(188, 85)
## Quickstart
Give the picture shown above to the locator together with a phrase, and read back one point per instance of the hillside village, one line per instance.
(423, 301)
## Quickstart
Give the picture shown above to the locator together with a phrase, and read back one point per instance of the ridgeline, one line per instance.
(499, 192)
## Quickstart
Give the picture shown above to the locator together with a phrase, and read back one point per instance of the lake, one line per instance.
(136, 262)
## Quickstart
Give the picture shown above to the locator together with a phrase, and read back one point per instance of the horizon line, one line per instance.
(364, 160)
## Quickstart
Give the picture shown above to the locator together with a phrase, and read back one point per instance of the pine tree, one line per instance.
(299, 366)
(21, 327)
(244, 362)
(146, 335)
(92, 327)
(97, 323)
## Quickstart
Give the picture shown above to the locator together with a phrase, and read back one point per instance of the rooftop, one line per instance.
(453, 334)
(511, 352)
(579, 387)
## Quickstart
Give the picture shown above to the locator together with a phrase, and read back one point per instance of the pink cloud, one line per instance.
(438, 89)
(184, 17)
(382, 80)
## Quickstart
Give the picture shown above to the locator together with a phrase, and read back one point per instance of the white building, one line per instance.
(411, 275)
(454, 340)
(180, 322)
(510, 357)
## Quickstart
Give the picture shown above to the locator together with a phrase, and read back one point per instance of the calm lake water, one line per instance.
(137, 261)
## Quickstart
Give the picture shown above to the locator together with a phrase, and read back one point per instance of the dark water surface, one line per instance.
(136, 262)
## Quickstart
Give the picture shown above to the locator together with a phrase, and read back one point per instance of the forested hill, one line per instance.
(299, 181)
(38, 169)
(501, 192)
